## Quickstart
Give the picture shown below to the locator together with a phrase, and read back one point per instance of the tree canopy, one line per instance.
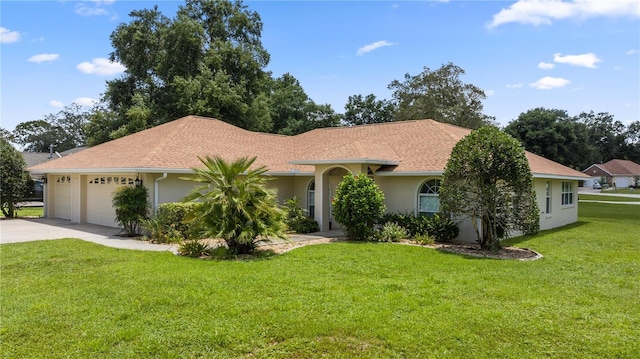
(15, 182)
(488, 180)
(576, 141)
(208, 60)
(361, 110)
(439, 95)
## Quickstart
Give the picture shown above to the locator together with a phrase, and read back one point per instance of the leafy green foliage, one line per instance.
(15, 182)
(174, 222)
(235, 204)
(424, 239)
(488, 179)
(367, 110)
(132, 207)
(64, 129)
(207, 60)
(296, 220)
(391, 232)
(576, 141)
(440, 228)
(194, 248)
(358, 205)
(293, 112)
(439, 95)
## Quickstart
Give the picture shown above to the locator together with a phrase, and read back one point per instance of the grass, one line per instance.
(625, 190)
(27, 212)
(70, 298)
(596, 197)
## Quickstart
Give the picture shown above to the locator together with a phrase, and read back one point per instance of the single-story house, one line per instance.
(406, 159)
(622, 173)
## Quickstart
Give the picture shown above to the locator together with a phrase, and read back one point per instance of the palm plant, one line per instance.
(236, 205)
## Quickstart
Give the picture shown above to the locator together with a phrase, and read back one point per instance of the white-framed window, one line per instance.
(311, 199)
(547, 204)
(567, 193)
(429, 198)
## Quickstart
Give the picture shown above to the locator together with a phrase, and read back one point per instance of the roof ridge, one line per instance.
(160, 144)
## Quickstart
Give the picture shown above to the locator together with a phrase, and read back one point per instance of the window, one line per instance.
(547, 207)
(311, 199)
(567, 193)
(428, 198)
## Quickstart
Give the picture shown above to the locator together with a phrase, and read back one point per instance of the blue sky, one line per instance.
(575, 55)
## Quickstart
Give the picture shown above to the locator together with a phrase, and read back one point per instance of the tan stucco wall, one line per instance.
(560, 215)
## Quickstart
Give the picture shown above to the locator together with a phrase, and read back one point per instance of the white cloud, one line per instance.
(101, 66)
(56, 104)
(94, 8)
(544, 12)
(546, 66)
(44, 58)
(548, 83)
(632, 51)
(7, 36)
(489, 92)
(585, 60)
(515, 86)
(85, 101)
(376, 45)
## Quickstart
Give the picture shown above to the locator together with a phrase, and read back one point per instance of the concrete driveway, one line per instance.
(25, 230)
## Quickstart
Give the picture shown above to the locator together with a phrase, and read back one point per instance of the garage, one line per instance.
(62, 191)
(100, 190)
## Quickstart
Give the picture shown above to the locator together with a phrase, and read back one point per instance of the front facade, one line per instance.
(405, 159)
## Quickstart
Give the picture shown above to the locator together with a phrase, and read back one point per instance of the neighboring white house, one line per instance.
(622, 173)
(406, 159)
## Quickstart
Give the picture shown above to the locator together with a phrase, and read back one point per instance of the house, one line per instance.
(406, 159)
(623, 173)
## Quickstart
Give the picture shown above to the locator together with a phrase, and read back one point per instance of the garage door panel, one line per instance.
(100, 191)
(62, 192)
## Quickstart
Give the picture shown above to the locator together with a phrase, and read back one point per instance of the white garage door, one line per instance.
(62, 201)
(100, 192)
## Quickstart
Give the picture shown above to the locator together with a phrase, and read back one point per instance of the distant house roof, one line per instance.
(401, 148)
(36, 158)
(616, 168)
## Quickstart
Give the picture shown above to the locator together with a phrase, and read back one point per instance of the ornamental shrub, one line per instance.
(358, 205)
(174, 222)
(391, 232)
(296, 220)
(132, 206)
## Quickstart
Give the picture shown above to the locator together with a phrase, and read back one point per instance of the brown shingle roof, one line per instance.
(619, 168)
(409, 146)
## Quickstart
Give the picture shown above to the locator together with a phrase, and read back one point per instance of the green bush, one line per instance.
(443, 229)
(358, 205)
(173, 223)
(132, 206)
(436, 227)
(194, 248)
(391, 232)
(296, 220)
(415, 225)
(424, 239)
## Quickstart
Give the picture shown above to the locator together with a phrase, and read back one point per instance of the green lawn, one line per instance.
(624, 190)
(27, 212)
(596, 197)
(70, 298)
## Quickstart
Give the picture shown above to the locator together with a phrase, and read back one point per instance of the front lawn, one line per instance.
(69, 298)
(27, 212)
(597, 197)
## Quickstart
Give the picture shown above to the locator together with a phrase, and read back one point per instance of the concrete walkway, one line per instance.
(26, 230)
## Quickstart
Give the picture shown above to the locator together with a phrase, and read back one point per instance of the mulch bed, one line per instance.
(467, 249)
